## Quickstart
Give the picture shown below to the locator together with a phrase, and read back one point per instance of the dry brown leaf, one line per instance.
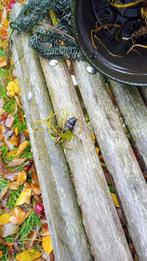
(9, 229)
(16, 162)
(9, 121)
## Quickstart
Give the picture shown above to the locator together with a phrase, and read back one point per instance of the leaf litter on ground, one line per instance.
(24, 233)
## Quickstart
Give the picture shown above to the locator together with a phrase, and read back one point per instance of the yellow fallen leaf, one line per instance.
(13, 88)
(21, 177)
(22, 147)
(47, 244)
(24, 197)
(18, 216)
(28, 255)
(4, 218)
(115, 200)
(16, 131)
(97, 150)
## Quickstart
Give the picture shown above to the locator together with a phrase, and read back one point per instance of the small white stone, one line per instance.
(29, 96)
(53, 62)
(91, 69)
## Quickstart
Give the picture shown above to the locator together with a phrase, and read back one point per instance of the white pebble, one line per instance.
(91, 69)
(53, 62)
(29, 96)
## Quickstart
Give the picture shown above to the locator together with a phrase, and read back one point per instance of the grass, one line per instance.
(14, 195)
(21, 126)
(3, 93)
(30, 223)
(4, 150)
(2, 53)
(5, 253)
(10, 105)
(3, 184)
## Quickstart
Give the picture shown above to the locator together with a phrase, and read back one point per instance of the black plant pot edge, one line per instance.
(88, 57)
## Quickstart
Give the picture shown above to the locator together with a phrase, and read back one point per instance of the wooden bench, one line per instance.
(81, 215)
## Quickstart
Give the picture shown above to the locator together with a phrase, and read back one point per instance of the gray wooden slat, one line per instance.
(118, 155)
(101, 221)
(134, 113)
(62, 211)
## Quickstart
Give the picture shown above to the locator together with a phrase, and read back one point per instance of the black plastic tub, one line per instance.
(106, 54)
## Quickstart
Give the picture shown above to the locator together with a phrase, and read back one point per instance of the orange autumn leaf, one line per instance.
(16, 131)
(14, 140)
(1, 254)
(11, 153)
(28, 255)
(22, 147)
(18, 216)
(13, 185)
(5, 23)
(3, 62)
(24, 197)
(4, 218)
(35, 189)
(21, 177)
(1, 132)
(47, 244)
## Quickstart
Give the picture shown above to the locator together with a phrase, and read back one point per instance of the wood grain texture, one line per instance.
(62, 211)
(134, 113)
(101, 221)
(118, 155)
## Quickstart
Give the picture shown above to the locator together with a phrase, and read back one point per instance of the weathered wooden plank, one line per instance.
(118, 155)
(62, 211)
(101, 221)
(134, 113)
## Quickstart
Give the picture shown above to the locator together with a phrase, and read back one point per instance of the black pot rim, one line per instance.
(100, 62)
